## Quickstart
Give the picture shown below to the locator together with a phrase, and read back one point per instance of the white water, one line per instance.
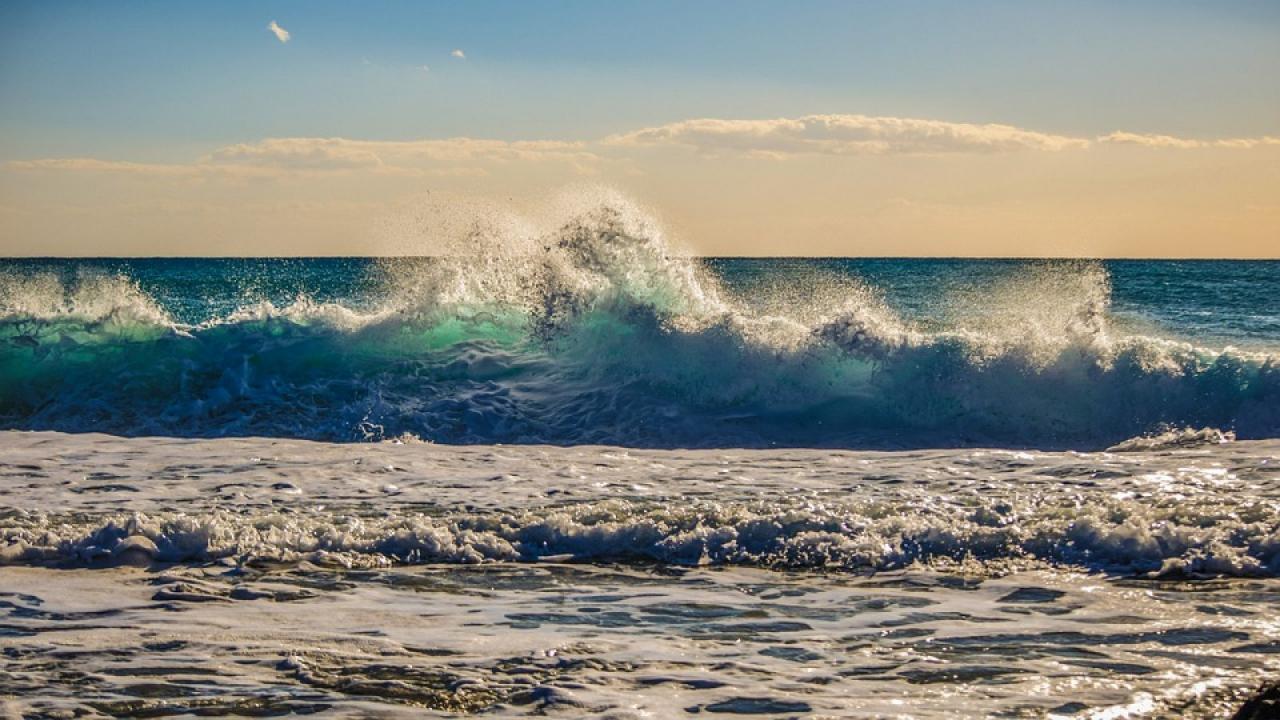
(164, 575)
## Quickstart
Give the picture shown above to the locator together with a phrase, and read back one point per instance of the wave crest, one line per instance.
(94, 303)
(1115, 533)
(596, 330)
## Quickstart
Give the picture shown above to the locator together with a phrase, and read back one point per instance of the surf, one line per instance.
(592, 327)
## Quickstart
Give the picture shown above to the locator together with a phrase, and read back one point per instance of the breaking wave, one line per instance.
(596, 331)
(1118, 534)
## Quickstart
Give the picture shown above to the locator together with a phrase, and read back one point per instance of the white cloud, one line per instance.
(812, 135)
(459, 54)
(844, 135)
(425, 68)
(281, 34)
(1171, 142)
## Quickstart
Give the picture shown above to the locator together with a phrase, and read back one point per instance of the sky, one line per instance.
(1101, 129)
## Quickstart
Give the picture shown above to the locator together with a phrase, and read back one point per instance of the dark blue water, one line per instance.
(611, 341)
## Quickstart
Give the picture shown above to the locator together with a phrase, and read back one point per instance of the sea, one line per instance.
(578, 473)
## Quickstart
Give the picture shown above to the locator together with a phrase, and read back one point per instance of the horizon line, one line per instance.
(1165, 258)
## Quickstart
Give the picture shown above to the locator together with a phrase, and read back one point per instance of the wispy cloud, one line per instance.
(810, 135)
(88, 165)
(344, 153)
(309, 156)
(1171, 142)
(459, 54)
(82, 164)
(298, 153)
(281, 34)
(844, 135)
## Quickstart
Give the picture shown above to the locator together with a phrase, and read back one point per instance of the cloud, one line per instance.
(120, 167)
(459, 54)
(843, 135)
(343, 153)
(281, 34)
(94, 165)
(811, 135)
(1171, 142)
(308, 156)
(297, 153)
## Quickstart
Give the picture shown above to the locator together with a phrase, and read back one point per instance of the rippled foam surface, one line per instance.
(257, 576)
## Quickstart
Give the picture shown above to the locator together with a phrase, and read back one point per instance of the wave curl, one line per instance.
(597, 332)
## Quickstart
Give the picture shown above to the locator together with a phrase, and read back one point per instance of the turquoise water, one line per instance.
(606, 338)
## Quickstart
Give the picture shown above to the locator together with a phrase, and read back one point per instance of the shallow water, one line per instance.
(629, 641)
(152, 577)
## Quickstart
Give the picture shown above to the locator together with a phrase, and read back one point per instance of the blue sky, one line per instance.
(150, 79)
(904, 127)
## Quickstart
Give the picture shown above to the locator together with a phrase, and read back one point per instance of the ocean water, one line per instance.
(570, 471)
(598, 333)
